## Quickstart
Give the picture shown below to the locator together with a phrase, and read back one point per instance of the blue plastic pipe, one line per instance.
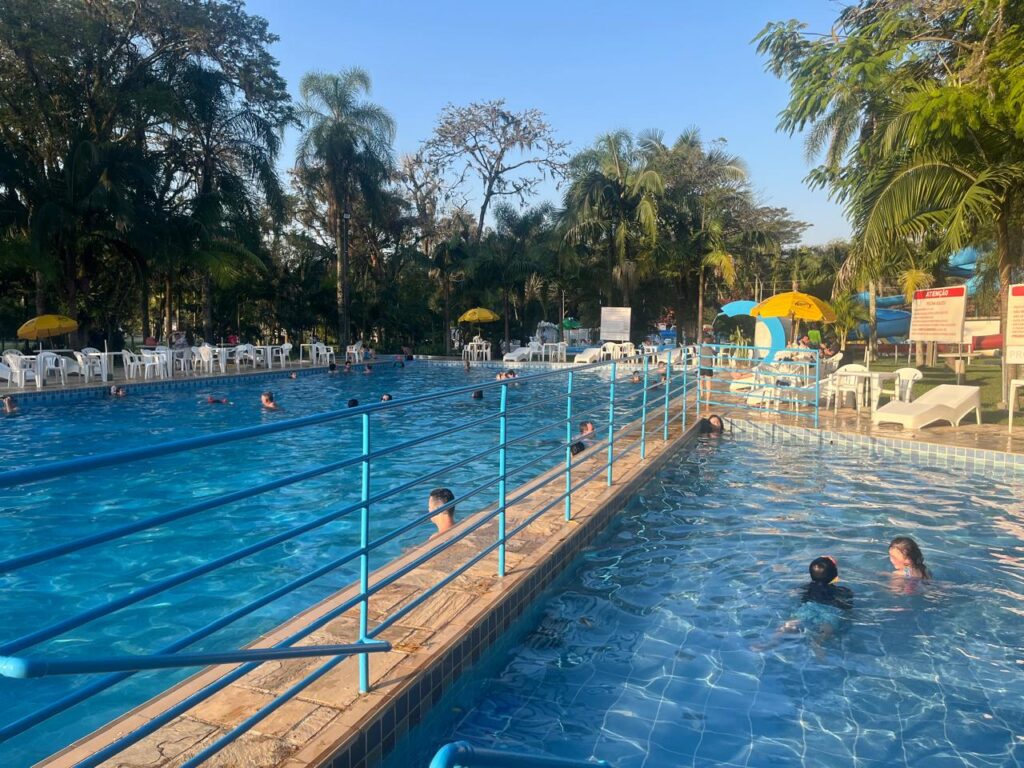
(462, 754)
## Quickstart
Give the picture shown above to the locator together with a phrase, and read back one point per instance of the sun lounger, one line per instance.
(520, 355)
(589, 355)
(947, 402)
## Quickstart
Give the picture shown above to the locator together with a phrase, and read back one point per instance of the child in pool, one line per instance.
(821, 605)
(907, 559)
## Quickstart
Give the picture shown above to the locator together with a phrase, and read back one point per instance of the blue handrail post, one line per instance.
(686, 392)
(568, 449)
(643, 414)
(668, 387)
(364, 558)
(700, 379)
(611, 423)
(817, 385)
(502, 424)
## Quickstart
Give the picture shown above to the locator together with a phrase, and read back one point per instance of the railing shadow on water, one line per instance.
(592, 386)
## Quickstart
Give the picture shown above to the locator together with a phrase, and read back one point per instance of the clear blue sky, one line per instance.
(590, 66)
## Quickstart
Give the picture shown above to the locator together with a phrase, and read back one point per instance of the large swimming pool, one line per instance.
(650, 652)
(47, 513)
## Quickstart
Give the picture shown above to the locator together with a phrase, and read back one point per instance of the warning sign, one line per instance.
(1015, 325)
(938, 315)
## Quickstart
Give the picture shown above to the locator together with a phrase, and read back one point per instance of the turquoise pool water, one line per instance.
(651, 651)
(43, 514)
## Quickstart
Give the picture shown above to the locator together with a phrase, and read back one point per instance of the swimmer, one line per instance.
(385, 398)
(332, 368)
(10, 407)
(907, 559)
(587, 433)
(442, 520)
(636, 378)
(399, 364)
(465, 366)
(822, 606)
(347, 368)
(367, 369)
(293, 375)
(712, 425)
(211, 400)
(353, 403)
(116, 391)
(478, 394)
(268, 402)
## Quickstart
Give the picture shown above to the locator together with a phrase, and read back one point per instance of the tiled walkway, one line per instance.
(329, 722)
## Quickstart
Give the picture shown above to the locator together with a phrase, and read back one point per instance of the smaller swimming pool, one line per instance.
(648, 653)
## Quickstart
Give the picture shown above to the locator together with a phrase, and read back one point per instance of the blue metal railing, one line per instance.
(585, 392)
(462, 754)
(784, 382)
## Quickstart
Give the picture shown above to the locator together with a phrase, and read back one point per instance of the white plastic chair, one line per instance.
(838, 386)
(902, 386)
(22, 371)
(51, 363)
(282, 353)
(535, 349)
(609, 351)
(354, 352)
(205, 355)
(626, 350)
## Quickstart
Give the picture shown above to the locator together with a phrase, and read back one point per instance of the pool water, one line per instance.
(46, 513)
(659, 648)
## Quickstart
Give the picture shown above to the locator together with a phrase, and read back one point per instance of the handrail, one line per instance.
(462, 754)
(584, 397)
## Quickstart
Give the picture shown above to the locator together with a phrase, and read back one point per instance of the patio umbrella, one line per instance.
(478, 315)
(45, 326)
(795, 306)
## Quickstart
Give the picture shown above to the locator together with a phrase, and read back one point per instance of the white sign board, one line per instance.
(615, 323)
(1015, 325)
(938, 315)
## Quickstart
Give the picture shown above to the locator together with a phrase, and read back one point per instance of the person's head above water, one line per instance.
(353, 403)
(385, 397)
(904, 554)
(823, 570)
(478, 394)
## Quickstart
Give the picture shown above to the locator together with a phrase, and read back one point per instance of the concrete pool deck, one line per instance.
(329, 723)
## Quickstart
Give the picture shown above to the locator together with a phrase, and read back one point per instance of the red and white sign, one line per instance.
(1015, 325)
(938, 315)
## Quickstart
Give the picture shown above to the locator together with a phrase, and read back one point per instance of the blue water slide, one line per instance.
(776, 329)
(960, 264)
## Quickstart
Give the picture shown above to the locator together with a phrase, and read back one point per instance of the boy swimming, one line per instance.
(822, 605)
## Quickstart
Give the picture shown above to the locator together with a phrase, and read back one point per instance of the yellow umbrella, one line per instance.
(796, 305)
(478, 315)
(45, 326)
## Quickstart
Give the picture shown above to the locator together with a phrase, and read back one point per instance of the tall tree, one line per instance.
(345, 150)
(511, 153)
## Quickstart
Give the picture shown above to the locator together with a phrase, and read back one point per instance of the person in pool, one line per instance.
(211, 400)
(443, 521)
(635, 379)
(10, 406)
(907, 559)
(385, 397)
(822, 606)
(353, 403)
(712, 425)
(347, 368)
(268, 402)
(116, 391)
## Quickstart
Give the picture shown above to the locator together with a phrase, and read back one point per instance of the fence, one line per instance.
(758, 378)
(586, 391)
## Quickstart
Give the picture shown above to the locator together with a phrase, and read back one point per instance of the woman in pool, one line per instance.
(907, 559)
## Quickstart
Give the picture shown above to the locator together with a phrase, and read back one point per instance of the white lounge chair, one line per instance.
(946, 402)
(519, 355)
(588, 355)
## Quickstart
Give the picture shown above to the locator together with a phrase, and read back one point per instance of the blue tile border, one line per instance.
(1001, 464)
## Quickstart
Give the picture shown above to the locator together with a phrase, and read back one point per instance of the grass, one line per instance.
(984, 372)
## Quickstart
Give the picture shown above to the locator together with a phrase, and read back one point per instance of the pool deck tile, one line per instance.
(329, 722)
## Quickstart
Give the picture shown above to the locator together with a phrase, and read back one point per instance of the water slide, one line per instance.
(895, 323)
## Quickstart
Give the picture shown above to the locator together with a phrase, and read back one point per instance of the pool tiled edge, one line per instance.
(981, 460)
(329, 724)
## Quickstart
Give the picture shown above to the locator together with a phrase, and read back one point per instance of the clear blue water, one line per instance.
(46, 513)
(650, 653)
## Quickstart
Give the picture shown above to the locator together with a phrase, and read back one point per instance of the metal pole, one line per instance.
(611, 423)
(502, 423)
(686, 393)
(568, 449)
(364, 559)
(643, 414)
(700, 379)
(817, 385)
(668, 387)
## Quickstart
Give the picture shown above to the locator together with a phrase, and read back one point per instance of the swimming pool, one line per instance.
(647, 653)
(46, 513)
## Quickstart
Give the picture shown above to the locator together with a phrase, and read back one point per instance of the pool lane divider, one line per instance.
(468, 617)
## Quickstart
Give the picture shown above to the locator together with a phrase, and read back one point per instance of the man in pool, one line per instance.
(10, 407)
(353, 403)
(442, 520)
(386, 397)
(211, 400)
(268, 402)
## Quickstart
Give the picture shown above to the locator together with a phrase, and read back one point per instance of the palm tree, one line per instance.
(345, 150)
(849, 314)
(612, 205)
